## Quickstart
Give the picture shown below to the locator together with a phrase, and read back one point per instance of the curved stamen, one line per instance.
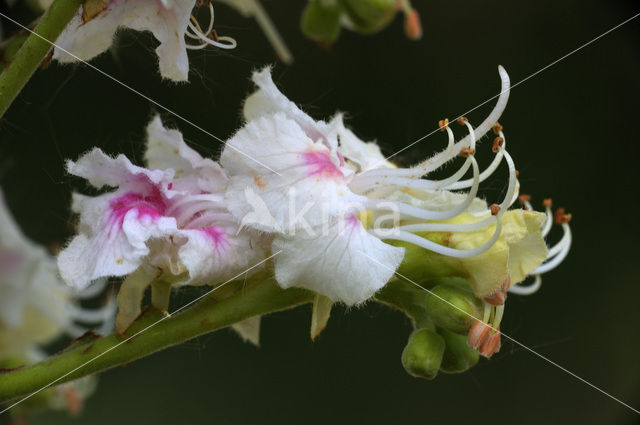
(486, 173)
(441, 249)
(417, 212)
(562, 249)
(425, 167)
(528, 289)
(194, 31)
(548, 223)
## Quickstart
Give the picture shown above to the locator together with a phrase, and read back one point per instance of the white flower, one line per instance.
(318, 177)
(36, 307)
(168, 222)
(92, 30)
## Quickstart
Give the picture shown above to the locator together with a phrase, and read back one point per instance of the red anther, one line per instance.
(74, 401)
(462, 120)
(491, 345)
(412, 26)
(443, 124)
(547, 203)
(466, 152)
(560, 217)
(497, 144)
(517, 173)
(497, 128)
(498, 297)
(524, 198)
(495, 209)
(507, 283)
(478, 334)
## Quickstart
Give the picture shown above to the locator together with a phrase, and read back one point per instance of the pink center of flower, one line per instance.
(216, 234)
(320, 164)
(352, 221)
(151, 206)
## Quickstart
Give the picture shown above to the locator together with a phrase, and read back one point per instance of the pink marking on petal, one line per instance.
(10, 262)
(320, 164)
(341, 158)
(170, 186)
(152, 206)
(216, 234)
(352, 220)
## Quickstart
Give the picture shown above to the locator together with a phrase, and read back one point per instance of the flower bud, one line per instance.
(369, 16)
(423, 354)
(454, 308)
(321, 21)
(458, 356)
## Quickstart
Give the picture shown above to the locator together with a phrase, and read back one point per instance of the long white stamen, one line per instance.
(564, 246)
(424, 167)
(230, 42)
(440, 249)
(486, 173)
(421, 213)
(417, 212)
(529, 289)
(548, 223)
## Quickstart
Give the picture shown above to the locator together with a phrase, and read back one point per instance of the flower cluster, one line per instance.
(36, 307)
(338, 218)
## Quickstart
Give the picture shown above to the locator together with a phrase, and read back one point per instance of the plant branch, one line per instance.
(93, 354)
(34, 50)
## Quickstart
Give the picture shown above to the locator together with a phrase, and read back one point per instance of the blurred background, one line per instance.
(571, 129)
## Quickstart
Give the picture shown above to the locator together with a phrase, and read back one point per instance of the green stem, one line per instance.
(158, 333)
(34, 50)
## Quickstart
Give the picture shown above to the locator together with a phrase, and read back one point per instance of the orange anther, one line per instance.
(495, 209)
(547, 203)
(524, 198)
(560, 217)
(497, 144)
(466, 152)
(443, 124)
(478, 334)
(491, 345)
(497, 128)
(462, 120)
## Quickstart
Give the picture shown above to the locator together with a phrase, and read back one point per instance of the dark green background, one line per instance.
(572, 129)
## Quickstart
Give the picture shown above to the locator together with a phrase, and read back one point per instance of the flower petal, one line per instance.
(166, 149)
(306, 188)
(345, 263)
(86, 40)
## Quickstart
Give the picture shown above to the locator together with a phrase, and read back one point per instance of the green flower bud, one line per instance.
(458, 356)
(369, 16)
(454, 308)
(321, 20)
(423, 354)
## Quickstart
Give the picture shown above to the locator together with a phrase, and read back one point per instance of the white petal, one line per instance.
(115, 228)
(216, 254)
(307, 187)
(269, 100)
(366, 155)
(168, 25)
(345, 264)
(166, 149)
(102, 170)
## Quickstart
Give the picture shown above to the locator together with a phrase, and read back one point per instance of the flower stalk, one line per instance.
(34, 50)
(90, 355)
